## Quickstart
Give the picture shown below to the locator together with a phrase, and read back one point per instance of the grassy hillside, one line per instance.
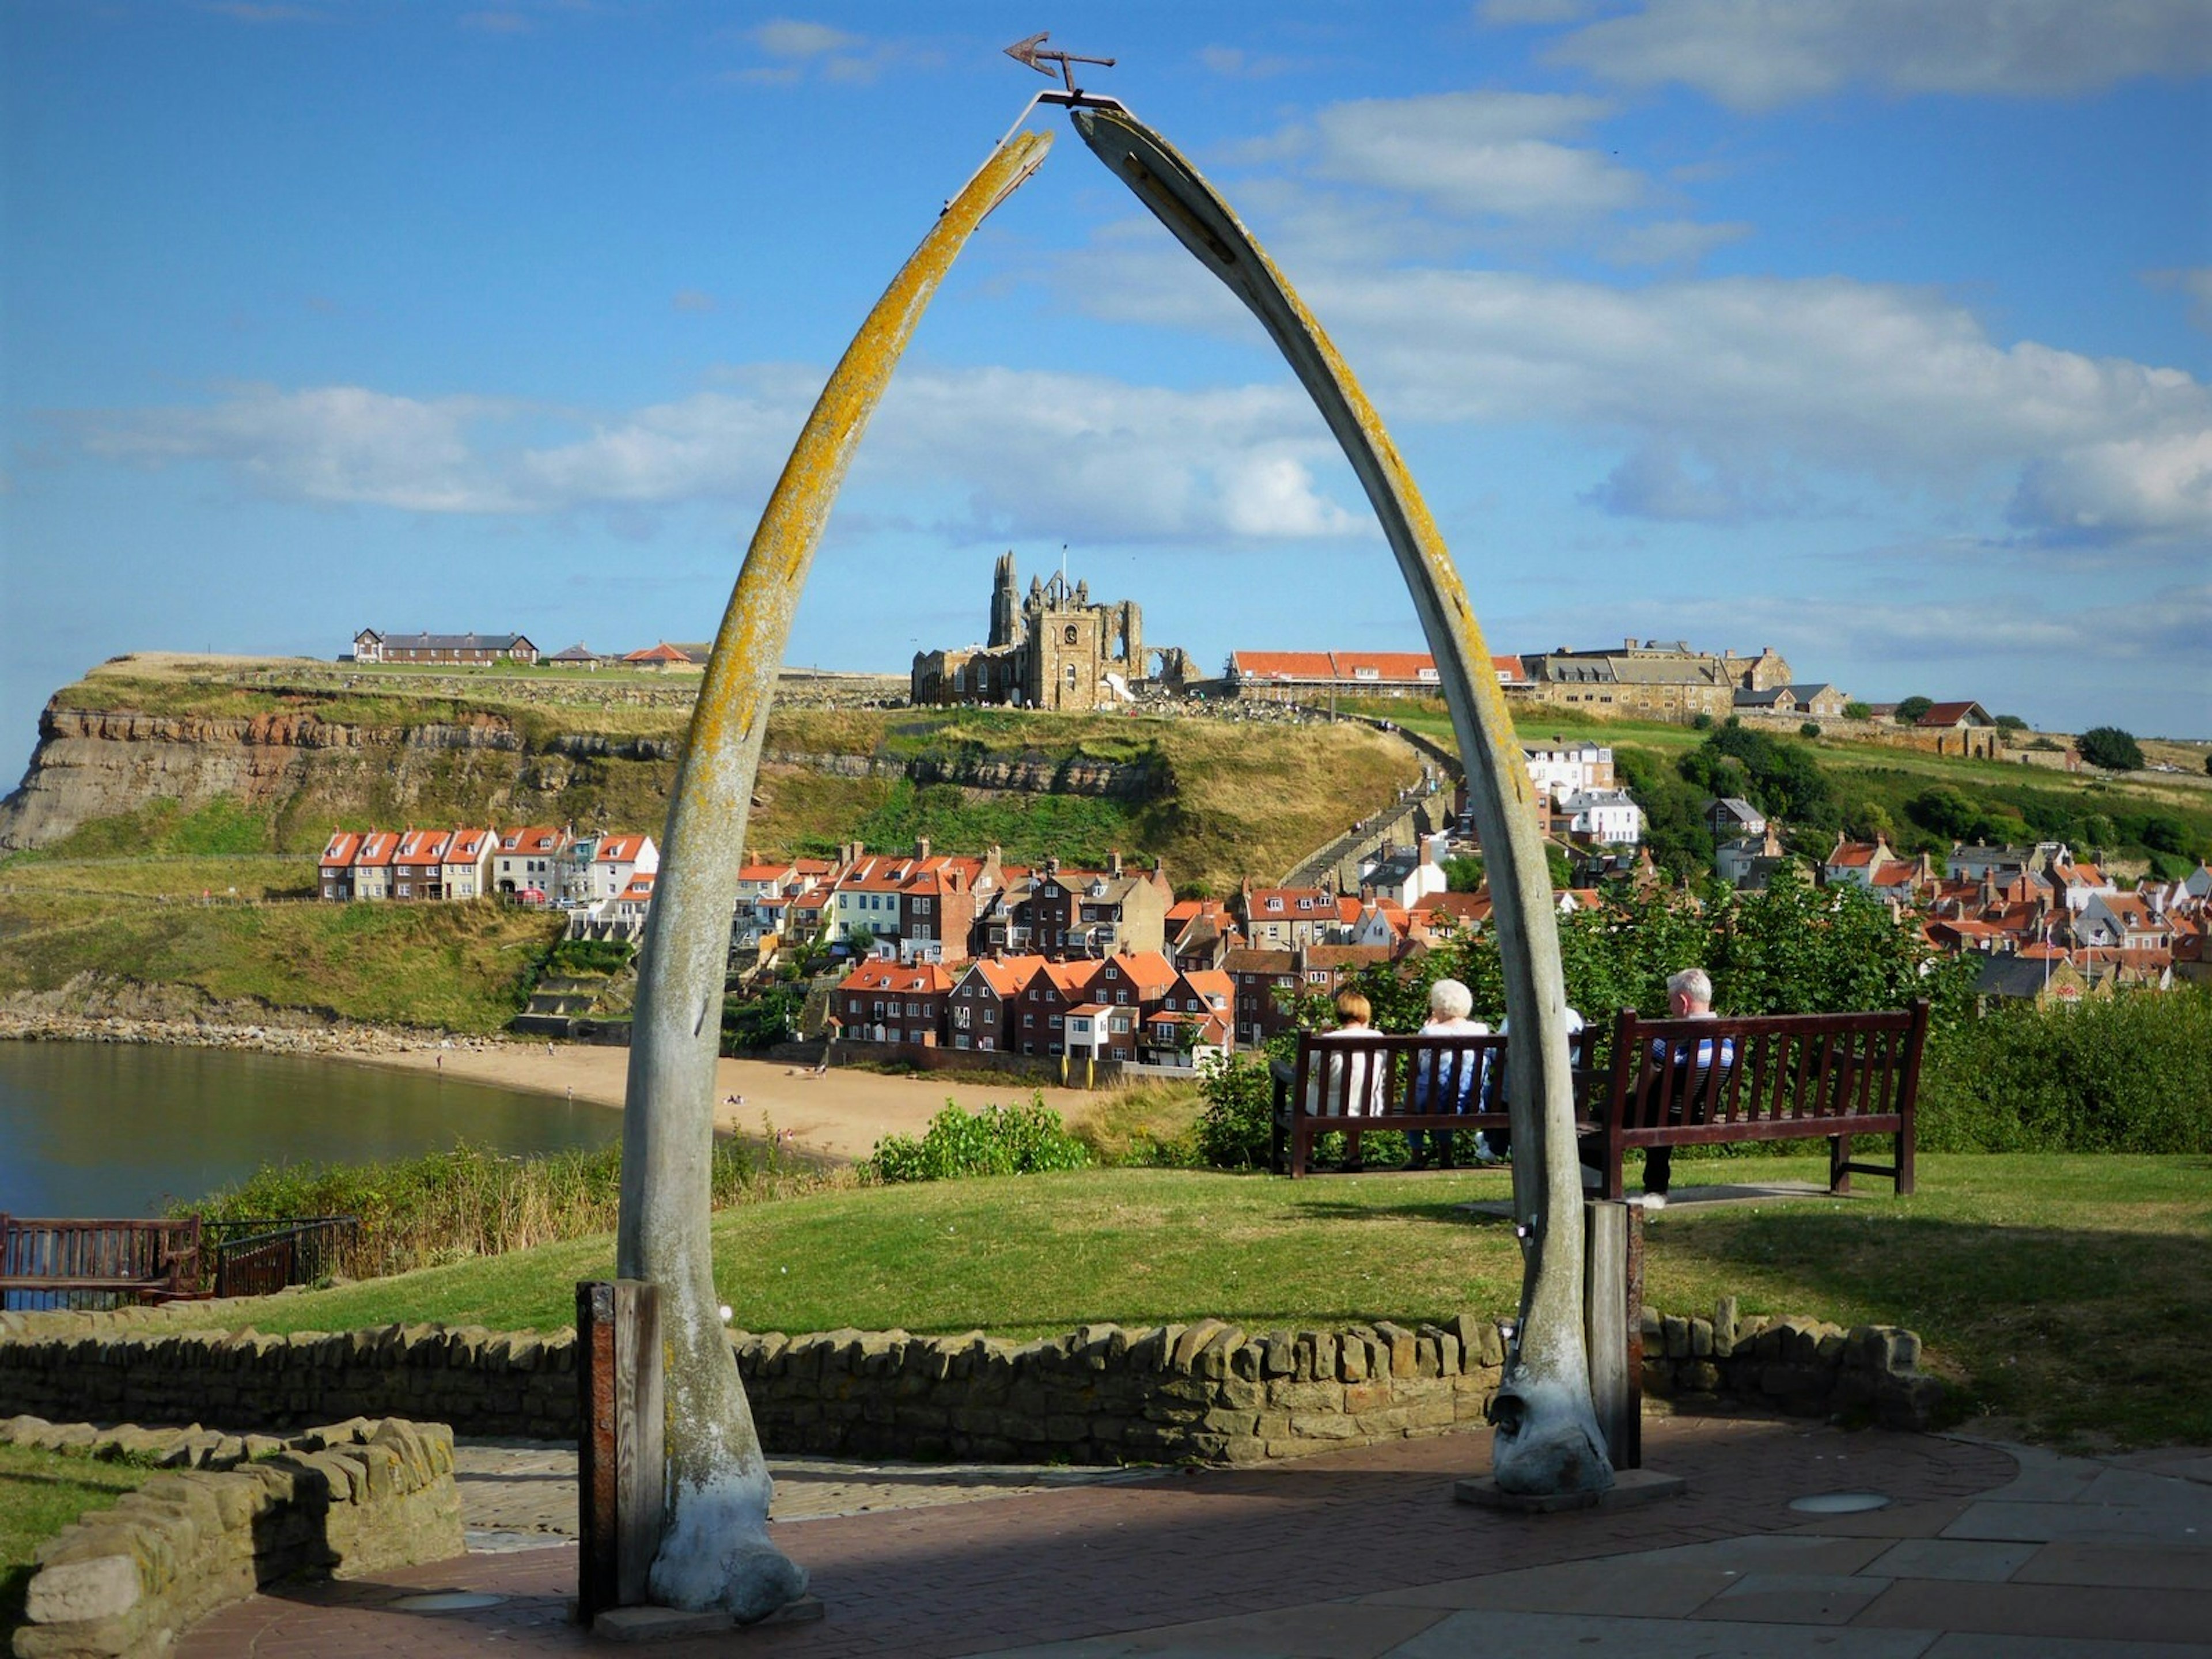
(454, 967)
(1920, 801)
(1217, 801)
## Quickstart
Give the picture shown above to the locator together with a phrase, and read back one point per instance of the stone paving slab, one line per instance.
(2039, 1610)
(515, 1494)
(1134, 1558)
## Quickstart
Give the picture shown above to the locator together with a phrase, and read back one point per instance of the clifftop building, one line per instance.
(1054, 647)
(1656, 679)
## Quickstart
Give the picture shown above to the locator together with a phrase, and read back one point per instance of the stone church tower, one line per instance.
(1005, 603)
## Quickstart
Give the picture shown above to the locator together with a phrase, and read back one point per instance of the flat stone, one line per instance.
(1630, 1486)
(1958, 1559)
(673, 1623)
(1795, 1598)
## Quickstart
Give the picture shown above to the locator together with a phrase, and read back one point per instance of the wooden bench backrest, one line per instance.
(1331, 1068)
(1767, 1069)
(36, 1252)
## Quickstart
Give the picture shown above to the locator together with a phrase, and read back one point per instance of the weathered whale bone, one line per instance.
(714, 1549)
(1547, 1439)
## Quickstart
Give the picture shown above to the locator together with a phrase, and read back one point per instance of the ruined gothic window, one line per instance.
(1071, 667)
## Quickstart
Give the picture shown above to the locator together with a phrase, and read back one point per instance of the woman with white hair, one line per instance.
(1445, 1080)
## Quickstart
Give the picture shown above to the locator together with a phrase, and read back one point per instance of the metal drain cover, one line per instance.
(449, 1601)
(1840, 1503)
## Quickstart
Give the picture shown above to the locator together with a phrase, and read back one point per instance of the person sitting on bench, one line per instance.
(1350, 1084)
(1693, 1062)
(1444, 1080)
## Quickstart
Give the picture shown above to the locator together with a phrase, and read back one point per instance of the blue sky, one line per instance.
(1873, 331)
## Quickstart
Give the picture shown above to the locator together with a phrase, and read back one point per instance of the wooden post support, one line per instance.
(622, 1452)
(1613, 1314)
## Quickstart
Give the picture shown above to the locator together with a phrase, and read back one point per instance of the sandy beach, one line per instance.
(842, 1113)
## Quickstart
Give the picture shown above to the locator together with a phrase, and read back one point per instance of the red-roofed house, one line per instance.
(1954, 717)
(334, 871)
(980, 1012)
(464, 867)
(618, 858)
(372, 865)
(523, 866)
(884, 1002)
(416, 862)
(1855, 862)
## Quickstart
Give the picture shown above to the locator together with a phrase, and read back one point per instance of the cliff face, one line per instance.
(294, 767)
(305, 773)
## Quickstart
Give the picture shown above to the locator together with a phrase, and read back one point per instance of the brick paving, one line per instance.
(1093, 1561)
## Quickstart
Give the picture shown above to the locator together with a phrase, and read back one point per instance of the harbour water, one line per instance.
(118, 1129)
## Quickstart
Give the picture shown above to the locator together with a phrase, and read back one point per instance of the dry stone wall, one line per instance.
(240, 1512)
(1104, 1394)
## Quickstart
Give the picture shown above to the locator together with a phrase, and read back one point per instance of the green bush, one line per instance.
(1236, 1130)
(2125, 1073)
(1809, 729)
(469, 1201)
(998, 1140)
(589, 956)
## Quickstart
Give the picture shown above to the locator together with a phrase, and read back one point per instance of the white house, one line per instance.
(523, 865)
(1563, 769)
(619, 859)
(1608, 817)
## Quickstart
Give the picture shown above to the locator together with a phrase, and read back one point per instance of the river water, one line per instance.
(118, 1129)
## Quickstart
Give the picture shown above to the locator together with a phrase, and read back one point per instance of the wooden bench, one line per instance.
(1392, 1074)
(1783, 1077)
(134, 1260)
(1778, 1076)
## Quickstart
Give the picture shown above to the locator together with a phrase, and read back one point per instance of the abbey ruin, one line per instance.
(1056, 648)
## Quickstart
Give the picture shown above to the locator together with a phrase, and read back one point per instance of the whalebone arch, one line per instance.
(714, 1548)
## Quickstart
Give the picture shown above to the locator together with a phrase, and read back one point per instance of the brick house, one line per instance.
(884, 1002)
(418, 863)
(334, 870)
(981, 1011)
(1285, 918)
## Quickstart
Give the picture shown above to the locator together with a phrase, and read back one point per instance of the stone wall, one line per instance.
(1104, 1394)
(355, 1498)
(1802, 1367)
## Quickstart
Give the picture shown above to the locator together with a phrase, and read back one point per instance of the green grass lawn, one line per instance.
(2070, 1298)
(40, 1493)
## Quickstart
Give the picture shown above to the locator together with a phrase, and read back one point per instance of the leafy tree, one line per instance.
(1701, 722)
(1856, 710)
(2098, 833)
(1809, 729)
(1675, 828)
(2109, 747)
(762, 1021)
(2011, 723)
(1782, 778)
(1462, 875)
(1911, 709)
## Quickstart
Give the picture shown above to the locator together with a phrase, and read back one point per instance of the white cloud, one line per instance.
(2196, 281)
(800, 47)
(1005, 451)
(789, 37)
(1475, 153)
(1800, 383)
(329, 444)
(1236, 63)
(1671, 242)
(1757, 54)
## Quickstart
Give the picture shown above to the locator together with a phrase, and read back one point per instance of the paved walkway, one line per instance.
(1980, 1551)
